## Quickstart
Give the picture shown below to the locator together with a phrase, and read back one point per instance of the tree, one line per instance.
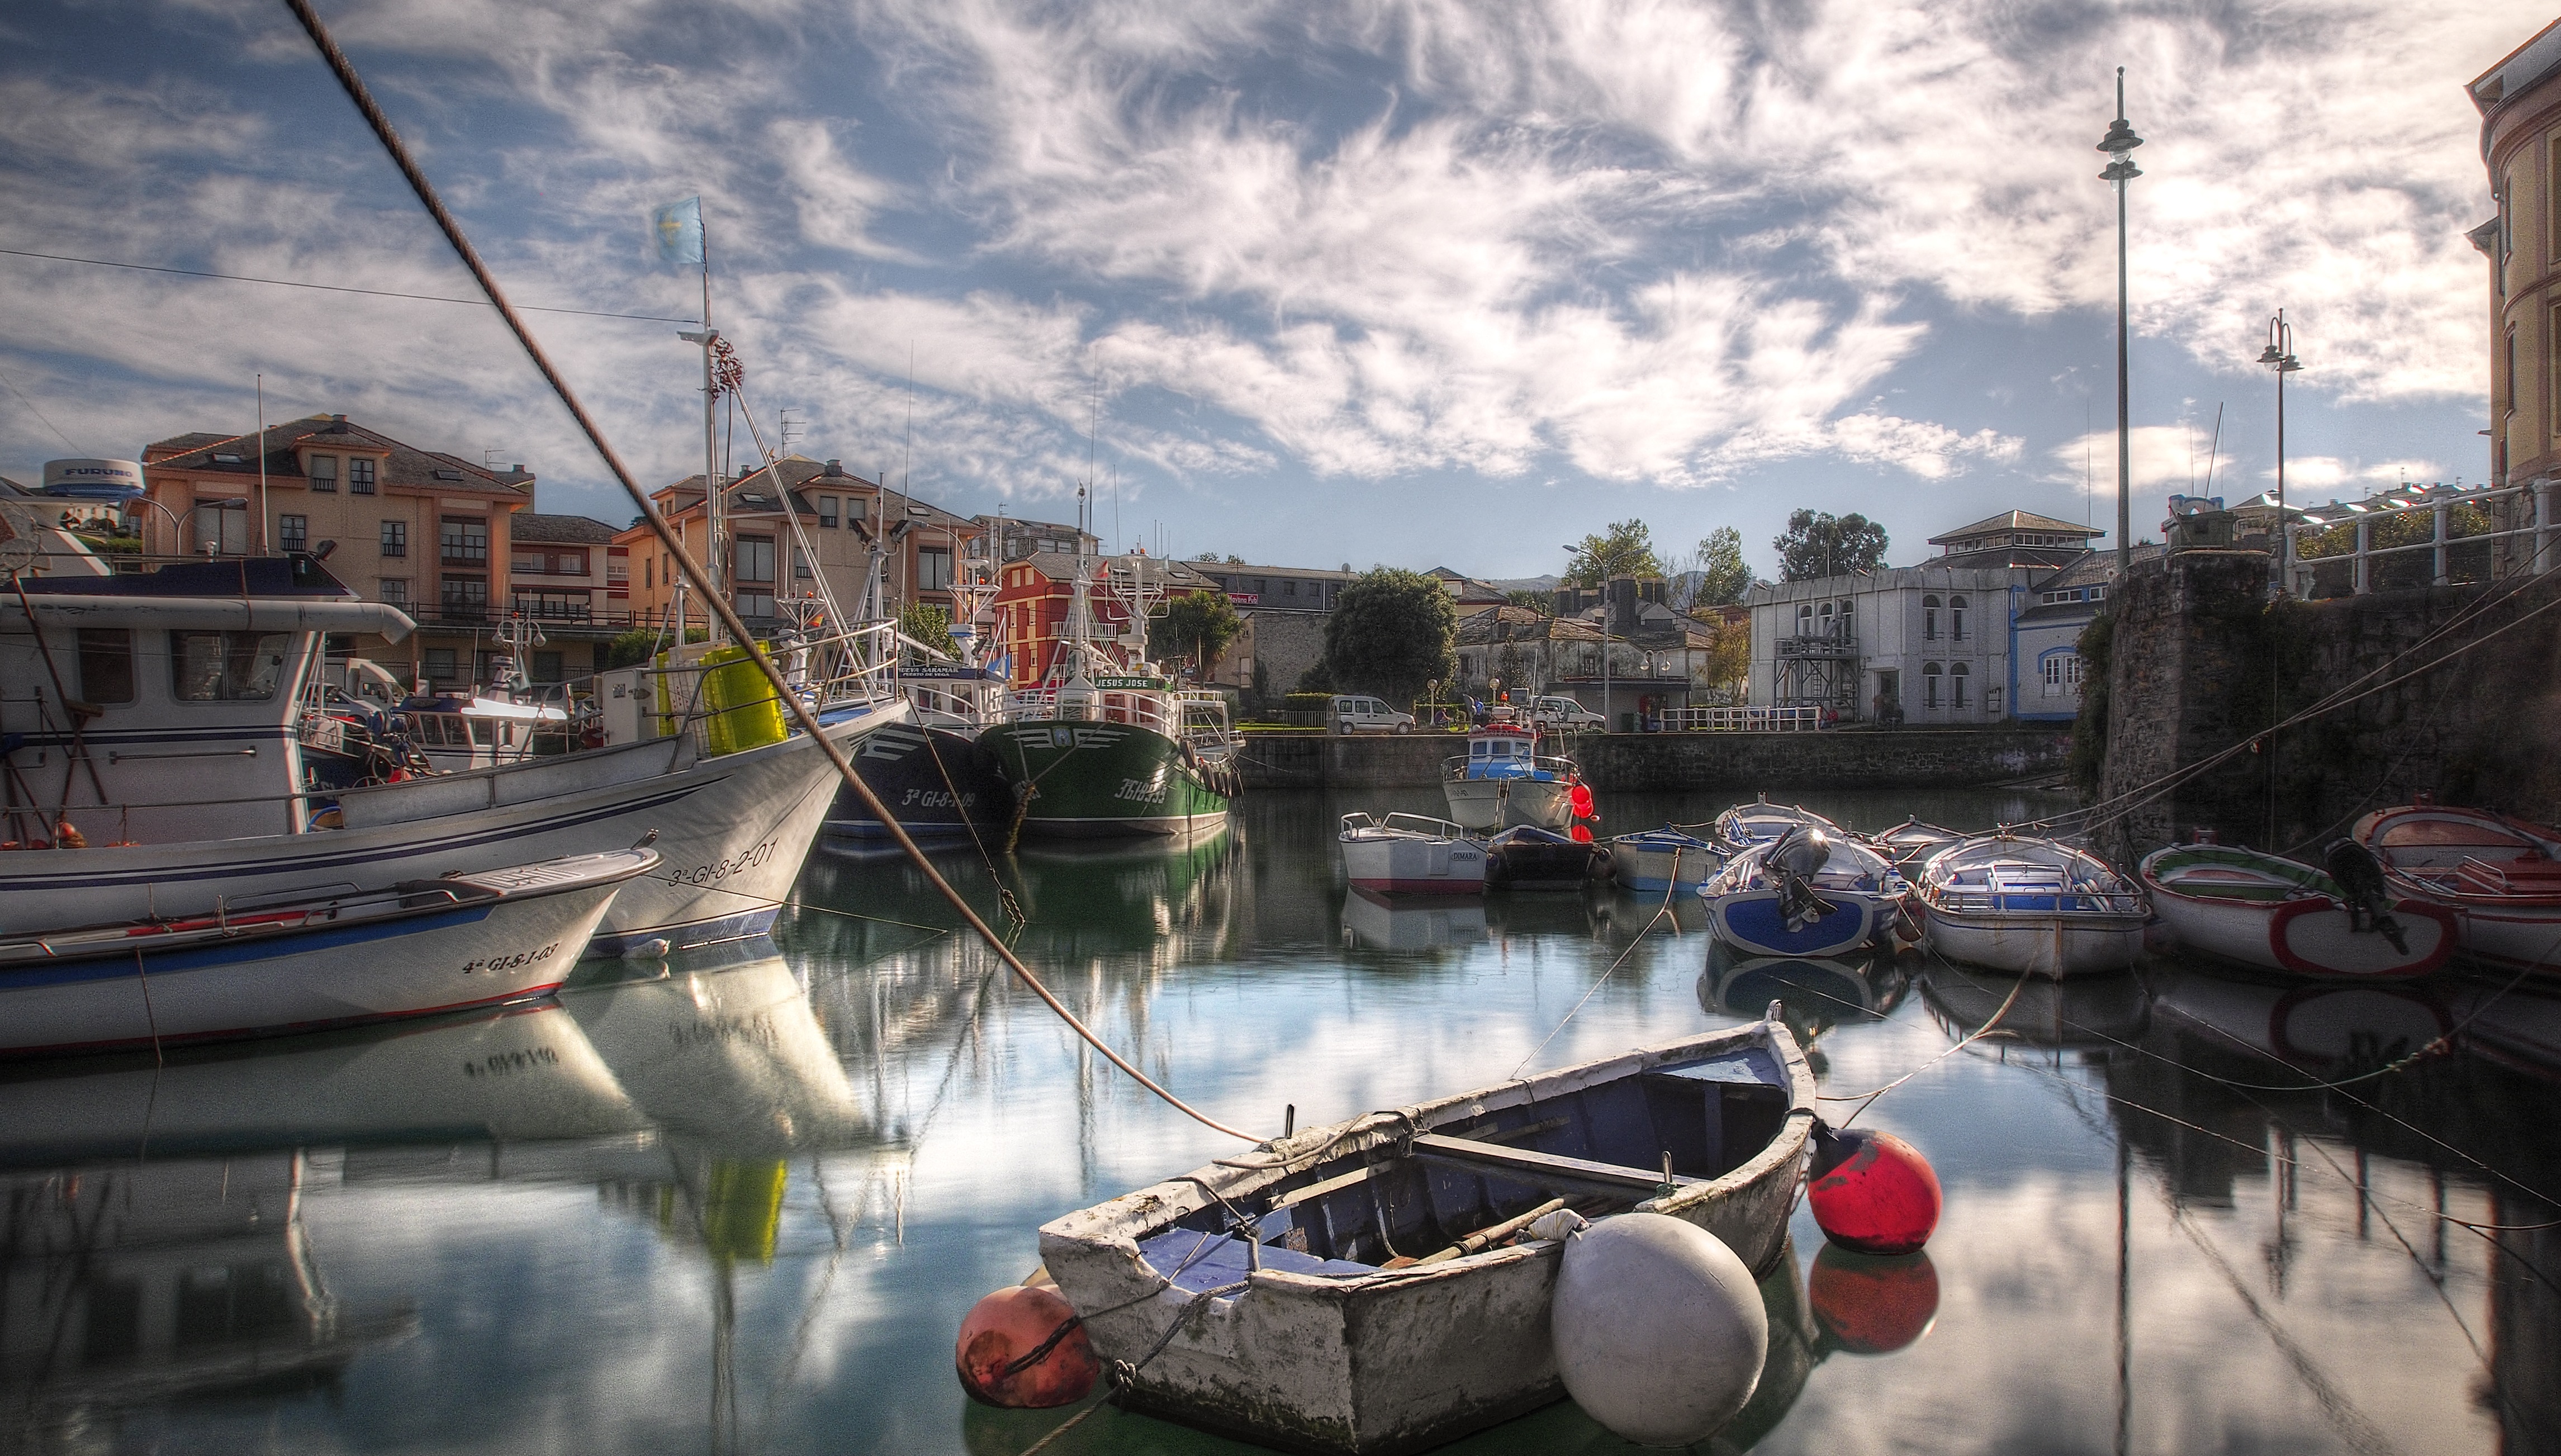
(1627, 549)
(1391, 632)
(1198, 626)
(1716, 571)
(1817, 545)
(1729, 658)
(1541, 602)
(929, 625)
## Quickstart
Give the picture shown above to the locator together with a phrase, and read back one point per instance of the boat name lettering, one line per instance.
(516, 962)
(936, 799)
(720, 870)
(1142, 791)
(758, 1030)
(508, 1064)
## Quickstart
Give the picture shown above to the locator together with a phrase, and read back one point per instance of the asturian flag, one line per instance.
(679, 227)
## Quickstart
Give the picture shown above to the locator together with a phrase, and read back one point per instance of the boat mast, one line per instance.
(715, 510)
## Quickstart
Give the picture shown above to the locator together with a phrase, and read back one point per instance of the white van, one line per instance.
(1354, 713)
(1564, 714)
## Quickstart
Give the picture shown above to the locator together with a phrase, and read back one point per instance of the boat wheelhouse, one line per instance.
(1502, 781)
(162, 710)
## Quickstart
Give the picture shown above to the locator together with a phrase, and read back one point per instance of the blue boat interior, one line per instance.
(1600, 1149)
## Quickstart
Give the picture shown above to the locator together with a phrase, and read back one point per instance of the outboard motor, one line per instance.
(1795, 857)
(2367, 893)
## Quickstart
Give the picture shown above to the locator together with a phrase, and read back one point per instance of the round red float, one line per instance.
(1872, 1191)
(1872, 1303)
(1581, 800)
(1023, 1348)
(1580, 833)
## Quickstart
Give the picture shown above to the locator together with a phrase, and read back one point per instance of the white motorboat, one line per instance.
(2279, 914)
(1807, 893)
(183, 770)
(2031, 908)
(1411, 854)
(273, 966)
(1502, 781)
(2499, 875)
(1660, 860)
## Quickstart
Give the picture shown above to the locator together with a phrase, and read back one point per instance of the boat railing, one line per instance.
(231, 917)
(1747, 720)
(1421, 826)
(1157, 712)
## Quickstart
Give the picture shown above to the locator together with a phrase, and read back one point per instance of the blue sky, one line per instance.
(1438, 281)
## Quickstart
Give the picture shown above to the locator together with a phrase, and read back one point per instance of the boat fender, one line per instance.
(1659, 1329)
(1872, 1191)
(1872, 1303)
(1023, 1348)
(1581, 800)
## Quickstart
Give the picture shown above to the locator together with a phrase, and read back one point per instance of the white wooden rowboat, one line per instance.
(2499, 875)
(1284, 1287)
(2031, 908)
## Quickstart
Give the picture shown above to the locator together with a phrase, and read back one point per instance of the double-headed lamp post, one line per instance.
(2279, 356)
(2119, 144)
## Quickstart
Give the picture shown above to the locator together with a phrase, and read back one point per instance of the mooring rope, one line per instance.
(803, 713)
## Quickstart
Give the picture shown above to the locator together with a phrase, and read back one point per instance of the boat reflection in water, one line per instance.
(2097, 1013)
(153, 1234)
(1410, 922)
(2322, 1028)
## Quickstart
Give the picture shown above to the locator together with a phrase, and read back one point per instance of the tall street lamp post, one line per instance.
(1573, 551)
(2119, 144)
(2279, 356)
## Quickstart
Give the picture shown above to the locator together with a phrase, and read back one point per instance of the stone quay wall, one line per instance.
(2200, 661)
(1674, 762)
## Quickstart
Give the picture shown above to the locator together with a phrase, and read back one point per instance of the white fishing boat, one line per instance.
(1807, 893)
(2279, 914)
(1411, 854)
(183, 772)
(1368, 1287)
(1657, 860)
(1502, 780)
(2031, 908)
(272, 966)
(2498, 875)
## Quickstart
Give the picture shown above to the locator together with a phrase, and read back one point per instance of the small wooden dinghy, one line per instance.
(2500, 876)
(1411, 854)
(1352, 1289)
(2030, 907)
(1807, 894)
(1526, 856)
(1656, 861)
(2280, 914)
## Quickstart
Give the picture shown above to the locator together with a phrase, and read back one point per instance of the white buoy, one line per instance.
(1659, 1330)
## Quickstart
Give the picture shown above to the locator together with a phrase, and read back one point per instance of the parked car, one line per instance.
(1563, 714)
(1354, 713)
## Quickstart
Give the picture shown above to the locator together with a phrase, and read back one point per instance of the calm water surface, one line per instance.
(740, 1203)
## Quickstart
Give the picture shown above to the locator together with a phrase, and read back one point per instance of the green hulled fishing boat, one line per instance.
(1108, 745)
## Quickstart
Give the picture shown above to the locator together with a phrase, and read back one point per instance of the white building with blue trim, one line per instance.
(1984, 632)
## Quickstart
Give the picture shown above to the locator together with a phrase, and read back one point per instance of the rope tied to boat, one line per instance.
(800, 712)
(1672, 887)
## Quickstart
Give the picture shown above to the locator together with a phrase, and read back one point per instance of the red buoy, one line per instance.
(1023, 1348)
(1580, 833)
(1872, 1303)
(1872, 1191)
(1581, 800)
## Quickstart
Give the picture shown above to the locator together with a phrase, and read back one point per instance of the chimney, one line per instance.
(835, 468)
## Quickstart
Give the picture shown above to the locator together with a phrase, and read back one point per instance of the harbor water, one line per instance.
(740, 1201)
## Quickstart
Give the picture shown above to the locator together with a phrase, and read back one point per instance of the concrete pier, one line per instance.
(1676, 762)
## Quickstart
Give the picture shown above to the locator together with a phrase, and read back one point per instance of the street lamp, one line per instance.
(2119, 144)
(2279, 356)
(177, 526)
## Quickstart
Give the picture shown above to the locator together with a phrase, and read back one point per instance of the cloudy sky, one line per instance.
(1415, 282)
